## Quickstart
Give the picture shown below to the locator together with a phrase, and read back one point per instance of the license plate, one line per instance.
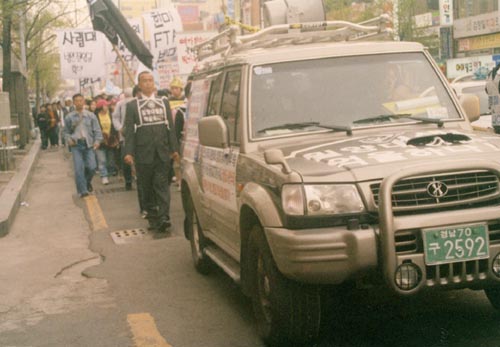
(455, 244)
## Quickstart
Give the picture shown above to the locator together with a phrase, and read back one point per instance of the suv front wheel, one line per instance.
(493, 295)
(198, 241)
(286, 311)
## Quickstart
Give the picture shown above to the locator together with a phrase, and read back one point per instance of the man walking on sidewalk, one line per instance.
(150, 143)
(83, 136)
(118, 123)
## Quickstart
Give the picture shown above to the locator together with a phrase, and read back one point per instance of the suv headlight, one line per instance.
(324, 199)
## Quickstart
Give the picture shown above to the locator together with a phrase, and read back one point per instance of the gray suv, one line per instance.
(311, 161)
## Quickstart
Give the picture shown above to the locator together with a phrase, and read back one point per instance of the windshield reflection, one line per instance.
(344, 90)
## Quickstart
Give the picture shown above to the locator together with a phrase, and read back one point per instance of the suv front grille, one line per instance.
(456, 272)
(452, 191)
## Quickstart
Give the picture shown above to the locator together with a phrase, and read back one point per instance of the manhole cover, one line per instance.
(129, 235)
(121, 237)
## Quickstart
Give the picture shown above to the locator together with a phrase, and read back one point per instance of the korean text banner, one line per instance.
(163, 26)
(128, 57)
(82, 53)
(186, 41)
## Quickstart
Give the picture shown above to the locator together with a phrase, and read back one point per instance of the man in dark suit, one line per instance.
(150, 144)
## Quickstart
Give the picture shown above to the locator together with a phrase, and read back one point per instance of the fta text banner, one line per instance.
(163, 26)
(82, 53)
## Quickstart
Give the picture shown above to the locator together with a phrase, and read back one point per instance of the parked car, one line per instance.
(310, 163)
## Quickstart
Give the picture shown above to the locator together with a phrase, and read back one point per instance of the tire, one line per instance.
(287, 312)
(198, 242)
(493, 295)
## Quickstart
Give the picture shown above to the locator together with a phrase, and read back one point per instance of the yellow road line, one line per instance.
(144, 329)
(95, 213)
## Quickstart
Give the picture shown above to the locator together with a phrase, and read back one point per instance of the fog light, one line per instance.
(496, 265)
(407, 276)
(314, 205)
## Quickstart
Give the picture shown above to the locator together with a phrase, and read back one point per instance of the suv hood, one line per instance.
(369, 157)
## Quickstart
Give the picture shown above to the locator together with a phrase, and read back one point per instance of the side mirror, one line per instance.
(212, 132)
(470, 104)
(276, 157)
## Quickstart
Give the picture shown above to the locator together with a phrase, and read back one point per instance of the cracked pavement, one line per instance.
(47, 250)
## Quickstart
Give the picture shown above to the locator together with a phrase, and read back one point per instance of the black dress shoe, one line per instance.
(164, 226)
(89, 187)
(128, 186)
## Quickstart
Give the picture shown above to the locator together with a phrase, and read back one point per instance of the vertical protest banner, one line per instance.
(163, 26)
(197, 105)
(82, 53)
(88, 86)
(186, 41)
(112, 57)
(166, 73)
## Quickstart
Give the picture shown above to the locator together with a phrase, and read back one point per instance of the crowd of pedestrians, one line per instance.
(136, 136)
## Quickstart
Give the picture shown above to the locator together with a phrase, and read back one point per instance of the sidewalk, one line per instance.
(46, 251)
(14, 184)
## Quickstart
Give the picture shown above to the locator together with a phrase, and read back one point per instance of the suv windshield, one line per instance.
(357, 91)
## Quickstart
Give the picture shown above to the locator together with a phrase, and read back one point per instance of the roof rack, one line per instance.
(228, 41)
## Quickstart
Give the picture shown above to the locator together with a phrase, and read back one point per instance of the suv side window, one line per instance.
(215, 96)
(230, 104)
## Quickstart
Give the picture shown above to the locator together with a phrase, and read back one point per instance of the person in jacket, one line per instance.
(106, 152)
(42, 121)
(53, 128)
(150, 143)
(178, 103)
(83, 136)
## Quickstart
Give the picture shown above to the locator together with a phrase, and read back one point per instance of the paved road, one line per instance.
(70, 276)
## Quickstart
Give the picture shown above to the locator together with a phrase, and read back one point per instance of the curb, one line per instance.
(16, 189)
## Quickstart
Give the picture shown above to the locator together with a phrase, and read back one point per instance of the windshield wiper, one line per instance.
(389, 117)
(289, 126)
(346, 128)
(308, 124)
(381, 118)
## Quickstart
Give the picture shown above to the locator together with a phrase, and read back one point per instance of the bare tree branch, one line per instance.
(39, 45)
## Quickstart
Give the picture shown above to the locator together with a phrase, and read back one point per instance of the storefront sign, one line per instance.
(479, 42)
(446, 12)
(469, 65)
(423, 20)
(189, 13)
(487, 23)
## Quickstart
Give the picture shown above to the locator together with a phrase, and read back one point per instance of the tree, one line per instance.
(41, 55)
(42, 17)
(7, 9)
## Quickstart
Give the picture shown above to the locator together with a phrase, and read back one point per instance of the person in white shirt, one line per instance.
(118, 122)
